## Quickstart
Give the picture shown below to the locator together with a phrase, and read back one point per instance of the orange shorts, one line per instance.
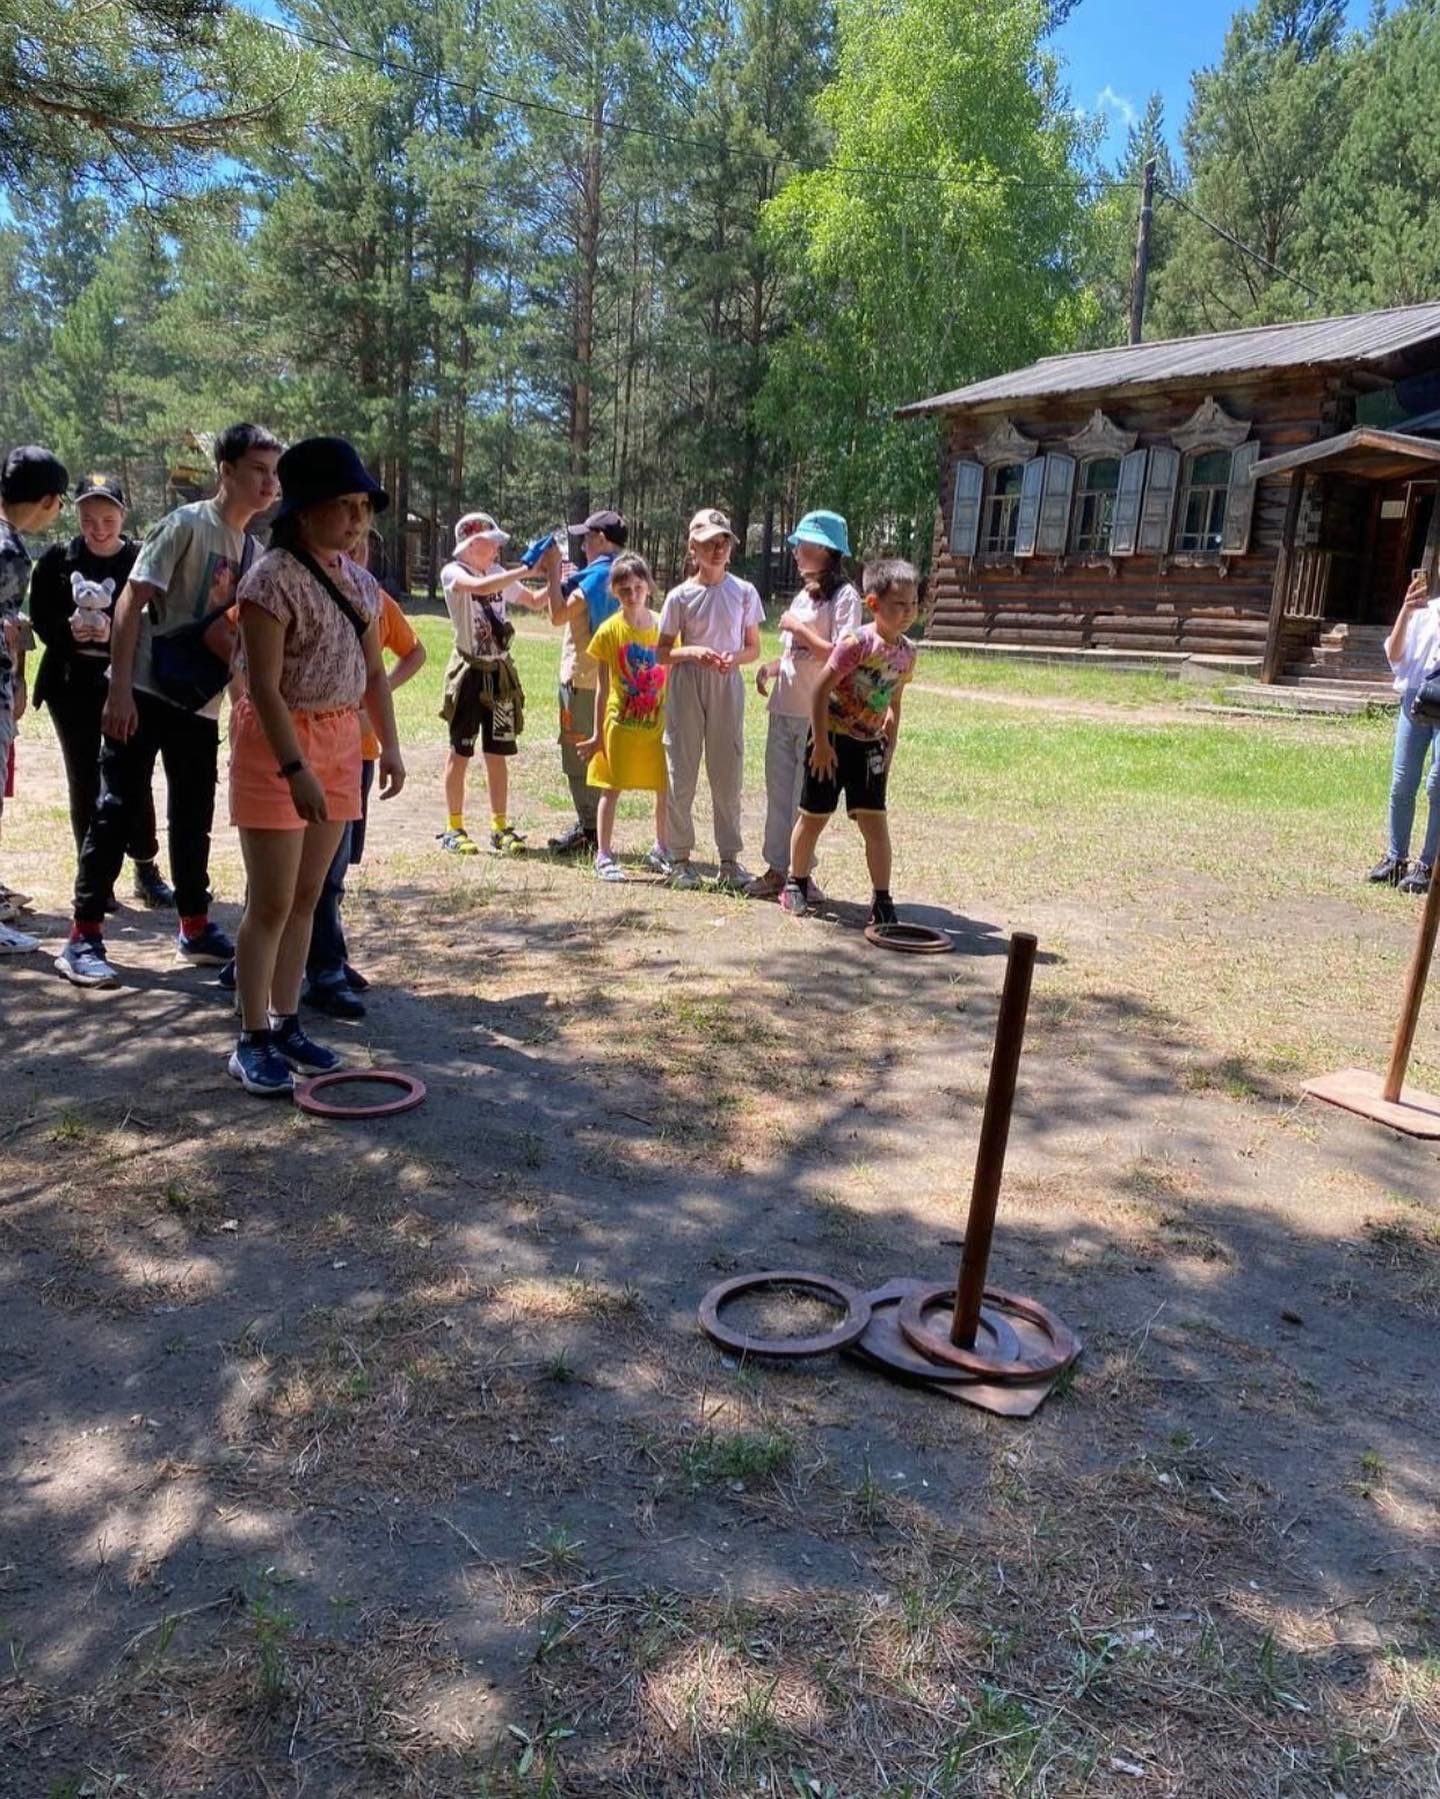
(260, 798)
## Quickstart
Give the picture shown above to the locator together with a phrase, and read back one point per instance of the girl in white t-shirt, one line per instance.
(1413, 649)
(826, 609)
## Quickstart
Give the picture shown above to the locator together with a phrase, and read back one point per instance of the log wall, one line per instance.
(1204, 605)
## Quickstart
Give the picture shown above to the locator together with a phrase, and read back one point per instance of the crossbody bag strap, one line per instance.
(358, 623)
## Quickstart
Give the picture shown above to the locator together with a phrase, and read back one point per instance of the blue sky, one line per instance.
(1118, 52)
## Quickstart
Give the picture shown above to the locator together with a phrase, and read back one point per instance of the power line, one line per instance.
(476, 89)
(1220, 231)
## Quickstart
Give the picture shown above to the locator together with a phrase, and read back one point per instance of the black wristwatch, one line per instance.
(292, 768)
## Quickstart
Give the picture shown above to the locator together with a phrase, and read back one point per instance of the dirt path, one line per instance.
(387, 1459)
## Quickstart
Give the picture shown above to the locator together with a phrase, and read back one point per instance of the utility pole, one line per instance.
(1142, 255)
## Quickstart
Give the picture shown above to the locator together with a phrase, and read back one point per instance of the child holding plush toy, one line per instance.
(72, 601)
(627, 752)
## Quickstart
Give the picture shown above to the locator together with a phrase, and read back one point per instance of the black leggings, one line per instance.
(76, 702)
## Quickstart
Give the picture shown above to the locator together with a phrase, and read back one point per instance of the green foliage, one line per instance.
(941, 242)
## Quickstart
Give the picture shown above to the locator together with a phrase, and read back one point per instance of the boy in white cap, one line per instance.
(827, 608)
(709, 629)
(484, 701)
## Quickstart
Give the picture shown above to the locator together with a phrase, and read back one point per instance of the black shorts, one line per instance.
(477, 717)
(860, 774)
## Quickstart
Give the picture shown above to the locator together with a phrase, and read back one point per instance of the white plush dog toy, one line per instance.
(90, 621)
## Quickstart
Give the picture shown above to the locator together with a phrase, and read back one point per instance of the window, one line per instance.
(1203, 496)
(1095, 507)
(1002, 509)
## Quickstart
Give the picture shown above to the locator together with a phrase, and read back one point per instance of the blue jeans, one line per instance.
(325, 965)
(1411, 743)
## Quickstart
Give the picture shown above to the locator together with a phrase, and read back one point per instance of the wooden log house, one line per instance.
(1260, 494)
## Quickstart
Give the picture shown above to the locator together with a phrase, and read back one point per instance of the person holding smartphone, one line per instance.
(1413, 650)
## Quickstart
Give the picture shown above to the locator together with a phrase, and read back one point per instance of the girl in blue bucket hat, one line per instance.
(826, 609)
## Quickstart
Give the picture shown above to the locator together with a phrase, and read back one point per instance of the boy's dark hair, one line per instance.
(236, 441)
(889, 572)
(632, 563)
(32, 473)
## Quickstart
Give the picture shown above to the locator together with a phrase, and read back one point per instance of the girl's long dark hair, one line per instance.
(832, 577)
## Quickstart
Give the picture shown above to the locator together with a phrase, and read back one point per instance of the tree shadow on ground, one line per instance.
(361, 1372)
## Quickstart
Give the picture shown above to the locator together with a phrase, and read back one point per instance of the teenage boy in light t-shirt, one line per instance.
(709, 629)
(187, 570)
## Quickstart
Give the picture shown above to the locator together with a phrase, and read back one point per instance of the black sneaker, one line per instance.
(1418, 879)
(83, 964)
(151, 888)
(112, 905)
(577, 841)
(226, 976)
(260, 1068)
(210, 948)
(334, 998)
(882, 910)
(355, 981)
(1388, 872)
(302, 1053)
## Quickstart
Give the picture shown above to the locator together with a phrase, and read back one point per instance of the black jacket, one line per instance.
(51, 603)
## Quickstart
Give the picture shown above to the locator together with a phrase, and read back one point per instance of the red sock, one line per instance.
(193, 927)
(86, 927)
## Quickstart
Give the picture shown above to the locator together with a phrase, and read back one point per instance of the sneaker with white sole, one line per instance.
(658, 861)
(210, 948)
(684, 875)
(83, 964)
(260, 1068)
(608, 869)
(16, 943)
(794, 900)
(735, 875)
(301, 1052)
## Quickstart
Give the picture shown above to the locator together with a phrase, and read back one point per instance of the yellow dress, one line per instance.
(633, 756)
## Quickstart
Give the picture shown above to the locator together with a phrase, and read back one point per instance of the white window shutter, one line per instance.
(1240, 501)
(965, 511)
(1159, 504)
(1054, 532)
(1027, 523)
(1125, 526)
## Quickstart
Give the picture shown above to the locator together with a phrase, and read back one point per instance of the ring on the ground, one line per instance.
(1064, 1344)
(882, 1345)
(851, 1326)
(913, 939)
(307, 1093)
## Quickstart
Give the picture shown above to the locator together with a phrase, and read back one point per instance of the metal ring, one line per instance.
(912, 939)
(915, 1306)
(857, 1314)
(306, 1091)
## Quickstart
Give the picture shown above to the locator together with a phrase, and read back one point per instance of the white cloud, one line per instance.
(1116, 106)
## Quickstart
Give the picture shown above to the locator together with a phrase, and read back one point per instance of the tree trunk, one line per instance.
(587, 245)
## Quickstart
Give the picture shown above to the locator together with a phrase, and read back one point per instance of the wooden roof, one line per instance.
(1357, 340)
(1371, 454)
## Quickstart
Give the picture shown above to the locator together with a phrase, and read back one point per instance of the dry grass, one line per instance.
(1095, 1635)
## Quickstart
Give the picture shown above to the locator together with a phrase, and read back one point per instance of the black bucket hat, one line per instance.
(323, 468)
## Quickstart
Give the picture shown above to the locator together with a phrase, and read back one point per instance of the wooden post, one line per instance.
(1280, 591)
(994, 1136)
(1414, 994)
(1142, 255)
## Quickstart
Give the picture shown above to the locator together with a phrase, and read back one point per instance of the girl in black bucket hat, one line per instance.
(309, 656)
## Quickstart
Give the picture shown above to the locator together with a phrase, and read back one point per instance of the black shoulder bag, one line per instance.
(359, 624)
(184, 668)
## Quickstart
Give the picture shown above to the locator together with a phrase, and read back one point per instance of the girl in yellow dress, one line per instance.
(627, 752)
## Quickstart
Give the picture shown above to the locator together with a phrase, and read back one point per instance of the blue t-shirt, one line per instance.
(594, 582)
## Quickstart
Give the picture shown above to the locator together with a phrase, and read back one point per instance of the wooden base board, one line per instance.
(1356, 1090)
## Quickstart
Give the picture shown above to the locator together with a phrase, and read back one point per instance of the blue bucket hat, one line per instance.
(827, 529)
(323, 468)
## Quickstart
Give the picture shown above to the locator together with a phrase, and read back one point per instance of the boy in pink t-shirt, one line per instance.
(854, 726)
